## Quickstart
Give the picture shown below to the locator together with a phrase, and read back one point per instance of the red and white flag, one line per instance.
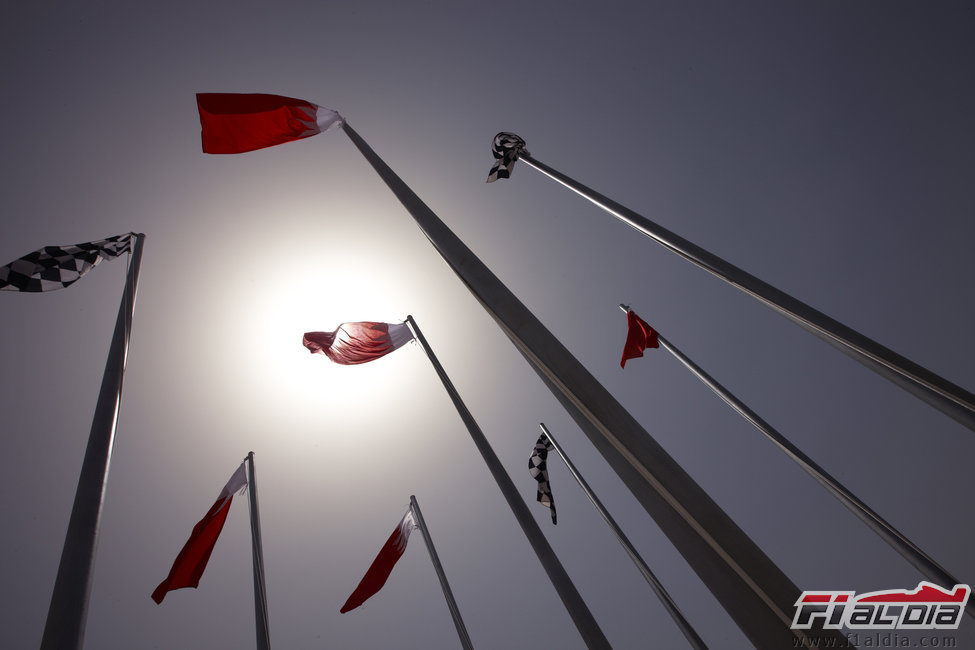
(639, 337)
(353, 343)
(383, 565)
(192, 560)
(239, 122)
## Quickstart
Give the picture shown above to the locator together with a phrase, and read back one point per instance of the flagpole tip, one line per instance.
(624, 307)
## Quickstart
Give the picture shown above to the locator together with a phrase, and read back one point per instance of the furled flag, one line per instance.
(56, 267)
(639, 337)
(539, 471)
(506, 148)
(382, 566)
(353, 343)
(192, 560)
(239, 122)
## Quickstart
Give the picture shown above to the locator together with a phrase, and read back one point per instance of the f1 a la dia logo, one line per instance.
(929, 607)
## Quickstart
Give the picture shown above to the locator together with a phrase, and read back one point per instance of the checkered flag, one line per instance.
(506, 148)
(539, 472)
(55, 267)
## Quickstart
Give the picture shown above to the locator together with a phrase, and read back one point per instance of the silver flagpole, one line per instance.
(921, 560)
(954, 401)
(465, 639)
(576, 606)
(751, 588)
(257, 553)
(668, 602)
(68, 611)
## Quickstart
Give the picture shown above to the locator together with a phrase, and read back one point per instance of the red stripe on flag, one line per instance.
(382, 566)
(639, 337)
(192, 559)
(236, 123)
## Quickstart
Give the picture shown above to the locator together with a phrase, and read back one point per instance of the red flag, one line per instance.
(639, 337)
(192, 560)
(235, 123)
(353, 343)
(383, 565)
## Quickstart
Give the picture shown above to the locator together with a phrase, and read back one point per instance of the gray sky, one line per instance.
(827, 148)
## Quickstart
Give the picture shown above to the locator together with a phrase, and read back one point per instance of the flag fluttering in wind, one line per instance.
(382, 566)
(192, 559)
(639, 337)
(539, 470)
(240, 122)
(353, 343)
(506, 148)
(56, 267)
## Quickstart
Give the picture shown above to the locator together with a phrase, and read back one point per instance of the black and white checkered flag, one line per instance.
(539, 472)
(55, 267)
(506, 148)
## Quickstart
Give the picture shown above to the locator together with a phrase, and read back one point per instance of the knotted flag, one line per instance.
(382, 566)
(56, 267)
(639, 337)
(240, 122)
(192, 559)
(506, 148)
(539, 470)
(353, 343)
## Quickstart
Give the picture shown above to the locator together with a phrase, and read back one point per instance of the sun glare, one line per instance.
(328, 290)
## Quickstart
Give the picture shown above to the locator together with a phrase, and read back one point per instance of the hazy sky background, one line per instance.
(827, 148)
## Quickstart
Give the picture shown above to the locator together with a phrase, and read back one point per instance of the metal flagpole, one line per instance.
(257, 553)
(956, 402)
(921, 560)
(68, 611)
(668, 602)
(465, 639)
(576, 606)
(751, 588)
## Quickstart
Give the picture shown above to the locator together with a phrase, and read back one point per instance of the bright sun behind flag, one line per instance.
(265, 320)
(354, 343)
